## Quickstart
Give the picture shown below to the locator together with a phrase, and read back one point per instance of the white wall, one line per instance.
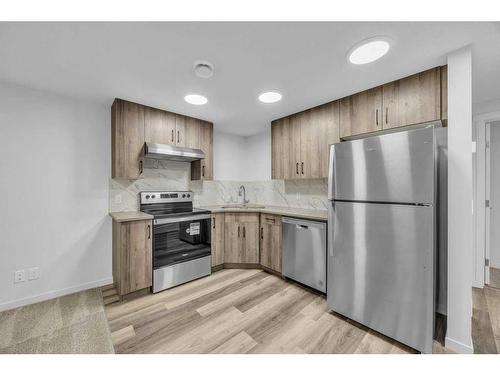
(238, 158)
(460, 198)
(495, 194)
(54, 170)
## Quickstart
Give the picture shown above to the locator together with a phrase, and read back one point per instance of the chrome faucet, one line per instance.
(243, 192)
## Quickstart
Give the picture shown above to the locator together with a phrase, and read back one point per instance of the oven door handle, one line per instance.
(181, 219)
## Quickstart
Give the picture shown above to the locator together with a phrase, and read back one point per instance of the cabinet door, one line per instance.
(134, 255)
(232, 239)
(217, 239)
(412, 100)
(361, 113)
(305, 157)
(250, 246)
(192, 133)
(277, 150)
(127, 139)
(270, 241)
(206, 145)
(180, 127)
(295, 144)
(159, 126)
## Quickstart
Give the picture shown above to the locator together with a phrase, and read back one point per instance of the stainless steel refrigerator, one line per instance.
(384, 227)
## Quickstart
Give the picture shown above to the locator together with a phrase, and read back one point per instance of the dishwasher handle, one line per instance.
(301, 226)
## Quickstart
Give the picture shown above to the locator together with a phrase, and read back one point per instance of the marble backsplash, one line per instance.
(169, 175)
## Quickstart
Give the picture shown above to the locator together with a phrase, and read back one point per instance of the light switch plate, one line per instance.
(34, 273)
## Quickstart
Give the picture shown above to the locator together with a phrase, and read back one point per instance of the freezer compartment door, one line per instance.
(304, 252)
(380, 269)
(397, 168)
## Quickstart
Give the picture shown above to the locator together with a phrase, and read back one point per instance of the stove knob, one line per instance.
(183, 195)
(189, 195)
(153, 196)
(147, 196)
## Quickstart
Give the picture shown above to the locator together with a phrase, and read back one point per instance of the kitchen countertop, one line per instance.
(302, 213)
(130, 216)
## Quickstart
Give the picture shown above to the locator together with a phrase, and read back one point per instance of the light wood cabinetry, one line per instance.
(300, 142)
(203, 169)
(132, 255)
(127, 139)
(361, 113)
(159, 126)
(133, 124)
(270, 242)
(217, 239)
(241, 238)
(412, 100)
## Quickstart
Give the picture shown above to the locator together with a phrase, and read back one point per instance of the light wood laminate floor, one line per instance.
(240, 311)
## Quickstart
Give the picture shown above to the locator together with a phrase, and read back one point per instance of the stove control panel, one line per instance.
(150, 197)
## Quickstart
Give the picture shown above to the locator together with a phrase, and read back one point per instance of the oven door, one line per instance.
(177, 240)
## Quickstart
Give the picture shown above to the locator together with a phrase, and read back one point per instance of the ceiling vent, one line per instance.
(203, 69)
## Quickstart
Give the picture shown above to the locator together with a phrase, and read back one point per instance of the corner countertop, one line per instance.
(130, 216)
(302, 213)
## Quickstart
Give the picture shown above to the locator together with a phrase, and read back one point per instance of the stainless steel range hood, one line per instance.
(169, 152)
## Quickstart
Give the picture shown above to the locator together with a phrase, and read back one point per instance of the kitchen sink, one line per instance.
(244, 206)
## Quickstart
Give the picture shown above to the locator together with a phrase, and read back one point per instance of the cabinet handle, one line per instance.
(270, 220)
(213, 222)
(149, 232)
(376, 116)
(140, 167)
(297, 168)
(386, 115)
(178, 137)
(202, 171)
(262, 233)
(243, 232)
(302, 167)
(172, 136)
(238, 230)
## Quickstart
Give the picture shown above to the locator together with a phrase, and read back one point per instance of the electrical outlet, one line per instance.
(20, 276)
(34, 273)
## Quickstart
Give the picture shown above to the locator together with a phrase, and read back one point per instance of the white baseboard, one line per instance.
(54, 294)
(458, 346)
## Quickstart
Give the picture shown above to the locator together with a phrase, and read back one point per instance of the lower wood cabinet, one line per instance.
(270, 241)
(132, 255)
(241, 238)
(217, 239)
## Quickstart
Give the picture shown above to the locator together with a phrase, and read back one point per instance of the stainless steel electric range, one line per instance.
(181, 238)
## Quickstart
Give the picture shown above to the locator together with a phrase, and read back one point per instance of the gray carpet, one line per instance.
(75, 323)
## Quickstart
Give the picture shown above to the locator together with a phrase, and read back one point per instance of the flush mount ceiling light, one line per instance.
(270, 97)
(203, 69)
(196, 99)
(369, 50)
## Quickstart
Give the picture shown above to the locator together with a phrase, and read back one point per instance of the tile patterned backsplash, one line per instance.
(169, 175)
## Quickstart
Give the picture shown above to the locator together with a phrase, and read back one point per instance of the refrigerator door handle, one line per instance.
(331, 167)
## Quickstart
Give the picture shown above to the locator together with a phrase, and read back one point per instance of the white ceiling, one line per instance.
(151, 63)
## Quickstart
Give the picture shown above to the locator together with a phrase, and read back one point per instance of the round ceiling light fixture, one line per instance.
(196, 99)
(203, 69)
(369, 50)
(270, 97)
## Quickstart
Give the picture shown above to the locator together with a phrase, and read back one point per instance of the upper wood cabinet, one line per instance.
(217, 239)
(241, 238)
(203, 169)
(132, 255)
(361, 113)
(127, 139)
(412, 100)
(300, 142)
(159, 126)
(444, 93)
(270, 241)
(134, 124)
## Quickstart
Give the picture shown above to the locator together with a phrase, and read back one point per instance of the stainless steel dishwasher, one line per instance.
(304, 252)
